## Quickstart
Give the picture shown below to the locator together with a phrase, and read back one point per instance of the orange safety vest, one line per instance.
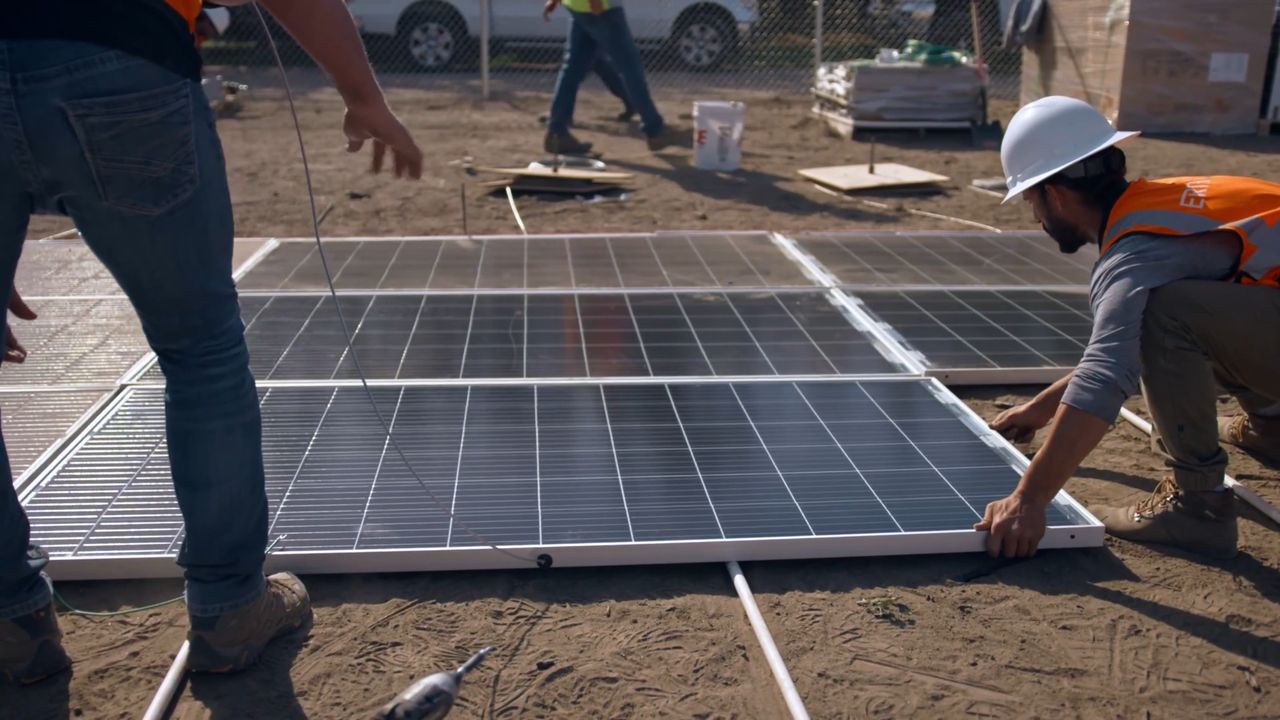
(1182, 206)
(188, 9)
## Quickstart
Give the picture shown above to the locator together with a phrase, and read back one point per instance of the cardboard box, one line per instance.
(1156, 65)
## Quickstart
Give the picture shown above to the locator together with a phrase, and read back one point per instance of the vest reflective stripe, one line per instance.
(1191, 205)
(188, 9)
(583, 6)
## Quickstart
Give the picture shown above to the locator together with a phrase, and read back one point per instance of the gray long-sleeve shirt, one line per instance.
(1118, 289)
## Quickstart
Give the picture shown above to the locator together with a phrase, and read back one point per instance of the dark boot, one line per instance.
(565, 144)
(233, 641)
(31, 647)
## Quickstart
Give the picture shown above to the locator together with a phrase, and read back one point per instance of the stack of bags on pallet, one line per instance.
(922, 83)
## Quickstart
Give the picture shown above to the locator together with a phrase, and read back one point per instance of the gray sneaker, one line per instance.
(31, 647)
(234, 641)
(1203, 523)
(1260, 437)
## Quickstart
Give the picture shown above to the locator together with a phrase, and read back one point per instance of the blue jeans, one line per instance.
(609, 34)
(129, 151)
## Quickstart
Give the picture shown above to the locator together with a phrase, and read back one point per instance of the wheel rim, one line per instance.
(701, 44)
(431, 44)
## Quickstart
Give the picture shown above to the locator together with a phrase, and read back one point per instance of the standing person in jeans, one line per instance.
(102, 118)
(600, 26)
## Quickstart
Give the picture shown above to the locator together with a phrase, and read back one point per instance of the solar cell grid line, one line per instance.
(284, 499)
(942, 475)
(843, 451)
(772, 462)
(1018, 312)
(377, 473)
(977, 328)
(693, 458)
(77, 341)
(952, 331)
(930, 258)
(34, 421)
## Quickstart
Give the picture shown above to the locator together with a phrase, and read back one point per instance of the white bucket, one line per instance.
(717, 134)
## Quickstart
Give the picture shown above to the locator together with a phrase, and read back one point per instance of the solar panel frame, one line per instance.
(144, 439)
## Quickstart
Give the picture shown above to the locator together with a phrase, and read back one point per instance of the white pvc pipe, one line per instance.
(485, 19)
(159, 706)
(1241, 491)
(817, 39)
(779, 668)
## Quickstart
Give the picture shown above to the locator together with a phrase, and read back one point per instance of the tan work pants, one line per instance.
(1196, 332)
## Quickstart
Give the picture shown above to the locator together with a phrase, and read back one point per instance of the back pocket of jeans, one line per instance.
(140, 147)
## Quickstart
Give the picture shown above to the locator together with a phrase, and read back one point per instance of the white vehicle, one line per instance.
(433, 34)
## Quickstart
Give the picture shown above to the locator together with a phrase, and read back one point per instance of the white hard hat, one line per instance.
(1051, 134)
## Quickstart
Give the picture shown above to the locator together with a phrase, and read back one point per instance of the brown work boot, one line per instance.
(1203, 523)
(31, 647)
(233, 641)
(565, 144)
(1260, 437)
(669, 135)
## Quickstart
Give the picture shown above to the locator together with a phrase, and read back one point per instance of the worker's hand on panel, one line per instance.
(1015, 526)
(14, 352)
(1020, 423)
(375, 121)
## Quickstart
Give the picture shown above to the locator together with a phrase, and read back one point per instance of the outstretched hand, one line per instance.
(14, 352)
(375, 121)
(549, 8)
(1020, 423)
(1015, 526)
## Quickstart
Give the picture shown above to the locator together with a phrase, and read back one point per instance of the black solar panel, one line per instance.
(295, 337)
(555, 465)
(629, 261)
(946, 259)
(987, 328)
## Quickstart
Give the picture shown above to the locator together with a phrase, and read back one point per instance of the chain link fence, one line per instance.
(714, 48)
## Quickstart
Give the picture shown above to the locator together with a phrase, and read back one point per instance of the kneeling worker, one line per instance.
(1185, 295)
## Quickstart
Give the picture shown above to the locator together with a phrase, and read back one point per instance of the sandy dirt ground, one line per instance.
(1123, 631)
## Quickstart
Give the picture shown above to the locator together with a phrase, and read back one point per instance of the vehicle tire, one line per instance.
(704, 39)
(431, 39)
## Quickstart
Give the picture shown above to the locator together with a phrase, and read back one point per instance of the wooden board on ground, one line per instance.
(564, 173)
(859, 177)
(566, 187)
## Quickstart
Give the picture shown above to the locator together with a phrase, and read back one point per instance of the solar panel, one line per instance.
(590, 473)
(946, 259)
(34, 421)
(564, 262)
(986, 329)
(298, 337)
(60, 268)
(76, 341)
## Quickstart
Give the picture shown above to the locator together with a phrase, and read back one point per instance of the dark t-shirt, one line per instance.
(149, 29)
